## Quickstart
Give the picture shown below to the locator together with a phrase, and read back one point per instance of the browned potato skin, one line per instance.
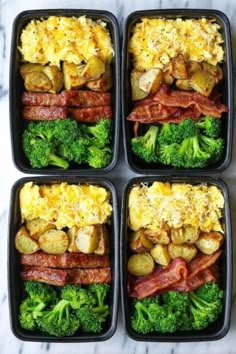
(140, 264)
(72, 233)
(37, 227)
(188, 234)
(192, 67)
(94, 68)
(103, 243)
(151, 80)
(203, 82)
(137, 93)
(87, 239)
(158, 236)
(160, 254)
(24, 243)
(216, 71)
(37, 81)
(168, 78)
(179, 70)
(28, 68)
(54, 242)
(73, 76)
(104, 83)
(56, 77)
(139, 242)
(188, 252)
(209, 242)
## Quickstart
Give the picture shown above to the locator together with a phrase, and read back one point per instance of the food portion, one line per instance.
(176, 74)
(175, 240)
(64, 241)
(67, 75)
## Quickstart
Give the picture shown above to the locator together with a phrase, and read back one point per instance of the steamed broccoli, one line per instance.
(90, 322)
(145, 146)
(99, 134)
(99, 158)
(168, 154)
(100, 292)
(141, 320)
(169, 134)
(77, 296)
(210, 126)
(215, 147)
(187, 128)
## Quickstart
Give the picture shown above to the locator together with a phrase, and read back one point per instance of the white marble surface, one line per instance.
(119, 343)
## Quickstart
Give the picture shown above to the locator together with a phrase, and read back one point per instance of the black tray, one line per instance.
(17, 123)
(218, 329)
(15, 284)
(140, 166)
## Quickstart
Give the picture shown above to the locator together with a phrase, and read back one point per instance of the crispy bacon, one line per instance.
(66, 260)
(45, 112)
(90, 114)
(201, 262)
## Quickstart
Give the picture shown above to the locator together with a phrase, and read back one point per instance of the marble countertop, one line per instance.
(119, 343)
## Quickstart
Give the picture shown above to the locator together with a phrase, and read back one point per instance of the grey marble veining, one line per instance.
(119, 343)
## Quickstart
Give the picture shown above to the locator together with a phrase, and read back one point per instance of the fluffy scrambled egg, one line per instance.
(155, 41)
(65, 38)
(176, 204)
(65, 205)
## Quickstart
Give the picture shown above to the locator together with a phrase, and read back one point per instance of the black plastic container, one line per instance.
(218, 329)
(17, 122)
(15, 284)
(140, 166)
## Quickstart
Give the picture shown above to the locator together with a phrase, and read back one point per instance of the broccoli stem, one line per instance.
(57, 161)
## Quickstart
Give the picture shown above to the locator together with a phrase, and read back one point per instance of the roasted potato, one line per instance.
(193, 67)
(203, 82)
(87, 239)
(139, 242)
(151, 80)
(179, 70)
(103, 242)
(188, 252)
(73, 76)
(94, 68)
(168, 78)
(37, 81)
(54, 242)
(160, 254)
(158, 236)
(216, 71)
(137, 93)
(183, 84)
(38, 226)
(24, 243)
(56, 77)
(209, 242)
(188, 234)
(25, 69)
(141, 264)
(104, 83)
(72, 233)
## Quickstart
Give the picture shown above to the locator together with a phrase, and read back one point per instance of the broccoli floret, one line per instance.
(176, 300)
(40, 152)
(65, 130)
(59, 320)
(100, 292)
(40, 292)
(187, 128)
(169, 134)
(77, 296)
(210, 126)
(166, 319)
(90, 322)
(215, 147)
(210, 292)
(167, 154)
(141, 320)
(99, 134)
(99, 158)
(145, 146)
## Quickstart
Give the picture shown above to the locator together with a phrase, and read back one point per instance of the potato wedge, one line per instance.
(87, 239)
(216, 71)
(168, 78)
(188, 252)
(141, 264)
(24, 243)
(54, 242)
(151, 80)
(25, 69)
(72, 233)
(56, 77)
(203, 82)
(179, 70)
(183, 84)
(37, 81)
(94, 68)
(104, 83)
(160, 254)
(209, 242)
(103, 243)
(137, 93)
(158, 236)
(73, 76)
(188, 234)
(139, 242)
(193, 67)
(37, 227)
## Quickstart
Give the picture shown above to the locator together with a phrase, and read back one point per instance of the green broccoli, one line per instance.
(187, 128)
(166, 319)
(100, 292)
(141, 320)
(99, 134)
(59, 320)
(210, 292)
(40, 152)
(167, 154)
(145, 146)
(210, 126)
(215, 147)
(90, 322)
(176, 300)
(169, 134)
(99, 158)
(77, 296)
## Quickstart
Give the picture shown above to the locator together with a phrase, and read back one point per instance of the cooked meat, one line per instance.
(90, 114)
(66, 260)
(44, 99)
(88, 276)
(45, 275)
(44, 112)
(83, 98)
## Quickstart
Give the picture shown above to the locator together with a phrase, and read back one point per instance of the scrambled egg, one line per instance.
(177, 204)
(65, 38)
(155, 41)
(65, 205)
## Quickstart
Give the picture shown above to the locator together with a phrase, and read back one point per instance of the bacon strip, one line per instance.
(44, 112)
(201, 262)
(66, 260)
(90, 114)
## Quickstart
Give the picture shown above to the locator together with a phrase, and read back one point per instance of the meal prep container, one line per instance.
(140, 166)
(18, 123)
(218, 329)
(15, 284)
